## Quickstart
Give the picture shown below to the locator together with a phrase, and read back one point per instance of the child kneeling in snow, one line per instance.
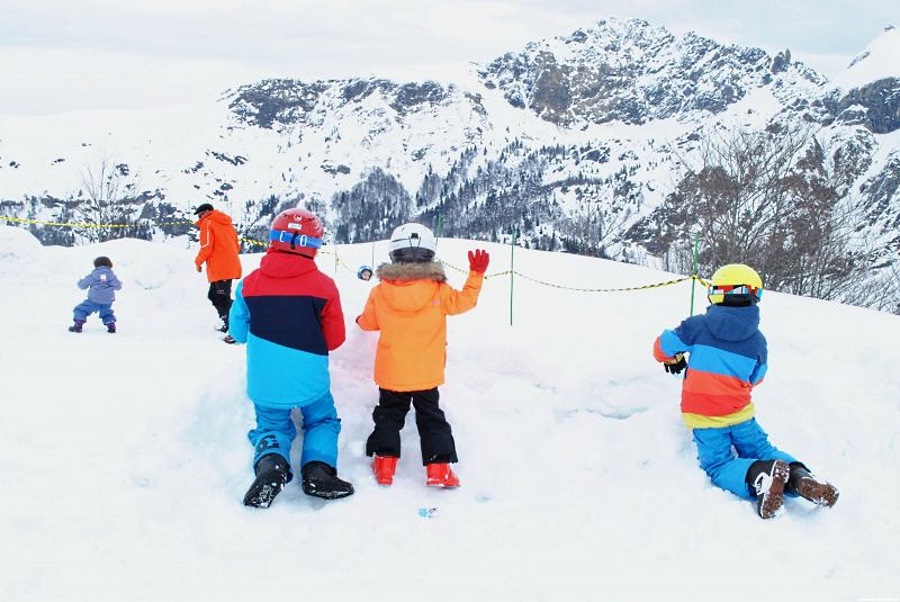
(101, 285)
(728, 357)
(289, 314)
(410, 306)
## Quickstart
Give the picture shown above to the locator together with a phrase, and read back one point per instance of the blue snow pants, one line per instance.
(726, 454)
(87, 307)
(275, 431)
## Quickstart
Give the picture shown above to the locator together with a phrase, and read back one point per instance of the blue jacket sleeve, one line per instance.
(762, 362)
(671, 344)
(239, 316)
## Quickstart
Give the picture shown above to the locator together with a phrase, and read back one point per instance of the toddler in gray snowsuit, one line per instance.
(101, 285)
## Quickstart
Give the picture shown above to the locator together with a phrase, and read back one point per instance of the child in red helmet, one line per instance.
(728, 357)
(410, 306)
(289, 315)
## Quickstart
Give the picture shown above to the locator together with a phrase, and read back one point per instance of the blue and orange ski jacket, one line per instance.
(728, 357)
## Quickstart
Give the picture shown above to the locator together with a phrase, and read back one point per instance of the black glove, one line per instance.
(675, 365)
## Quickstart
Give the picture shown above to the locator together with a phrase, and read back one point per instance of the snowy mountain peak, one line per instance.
(571, 143)
(868, 92)
(633, 72)
(879, 60)
(291, 102)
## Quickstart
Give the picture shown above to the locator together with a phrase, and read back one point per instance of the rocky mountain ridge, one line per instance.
(574, 143)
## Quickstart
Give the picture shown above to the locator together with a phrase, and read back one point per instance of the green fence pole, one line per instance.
(437, 226)
(694, 268)
(512, 274)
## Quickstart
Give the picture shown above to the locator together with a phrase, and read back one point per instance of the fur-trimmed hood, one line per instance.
(410, 287)
(404, 272)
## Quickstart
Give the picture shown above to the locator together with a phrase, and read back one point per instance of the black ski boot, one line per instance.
(77, 326)
(272, 474)
(321, 480)
(768, 479)
(808, 486)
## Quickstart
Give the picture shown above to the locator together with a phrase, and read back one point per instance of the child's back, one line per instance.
(410, 307)
(101, 285)
(728, 357)
(289, 315)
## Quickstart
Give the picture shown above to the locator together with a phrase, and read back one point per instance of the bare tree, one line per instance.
(772, 200)
(108, 185)
(879, 291)
(595, 228)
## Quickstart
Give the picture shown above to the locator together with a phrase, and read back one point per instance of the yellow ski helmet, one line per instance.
(735, 284)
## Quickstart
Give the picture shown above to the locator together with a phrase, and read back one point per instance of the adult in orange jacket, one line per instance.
(219, 249)
(409, 306)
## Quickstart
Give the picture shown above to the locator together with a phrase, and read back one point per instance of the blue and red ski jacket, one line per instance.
(289, 314)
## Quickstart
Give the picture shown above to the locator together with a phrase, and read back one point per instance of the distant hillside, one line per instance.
(587, 143)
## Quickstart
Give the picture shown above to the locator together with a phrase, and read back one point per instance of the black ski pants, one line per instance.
(220, 296)
(435, 435)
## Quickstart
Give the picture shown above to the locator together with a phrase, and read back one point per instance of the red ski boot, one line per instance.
(384, 468)
(440, 475)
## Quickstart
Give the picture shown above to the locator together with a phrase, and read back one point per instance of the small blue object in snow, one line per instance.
(427, 512)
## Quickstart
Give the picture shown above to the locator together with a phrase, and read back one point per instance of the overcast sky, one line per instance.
(58, 55)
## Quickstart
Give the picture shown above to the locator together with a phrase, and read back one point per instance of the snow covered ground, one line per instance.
(124, 458)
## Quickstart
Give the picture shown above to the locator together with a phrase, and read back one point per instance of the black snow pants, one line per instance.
(220, 296)
(435, 435)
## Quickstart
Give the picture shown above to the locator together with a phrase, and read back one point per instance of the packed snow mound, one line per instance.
(124, 458)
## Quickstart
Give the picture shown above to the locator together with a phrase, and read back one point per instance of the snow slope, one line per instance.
(878, 61)
(123, 458)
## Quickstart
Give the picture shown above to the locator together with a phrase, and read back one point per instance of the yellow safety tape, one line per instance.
(606, 290)
(585, 290)
(20, 220)
(255, 241)
(352, 270)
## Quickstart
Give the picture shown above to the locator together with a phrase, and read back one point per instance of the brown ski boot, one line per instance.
(808, 486)
(768, 478)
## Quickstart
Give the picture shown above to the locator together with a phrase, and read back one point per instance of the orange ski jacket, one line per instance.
(219, 247)
(410, 307)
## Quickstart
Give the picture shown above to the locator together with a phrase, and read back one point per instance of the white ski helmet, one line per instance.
(412, 243)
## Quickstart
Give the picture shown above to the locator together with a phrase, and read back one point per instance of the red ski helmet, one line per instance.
(296, 231)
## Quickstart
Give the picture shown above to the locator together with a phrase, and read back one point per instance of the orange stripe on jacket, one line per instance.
(713, 394)
(659, 354)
